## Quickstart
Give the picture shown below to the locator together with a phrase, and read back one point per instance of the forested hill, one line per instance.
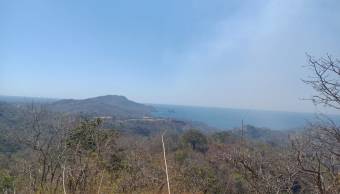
(103, 106)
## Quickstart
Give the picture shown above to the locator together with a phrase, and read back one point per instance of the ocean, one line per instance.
(228, 118)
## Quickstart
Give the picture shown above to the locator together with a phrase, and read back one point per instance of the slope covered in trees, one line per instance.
(53, 152)
(104, 106)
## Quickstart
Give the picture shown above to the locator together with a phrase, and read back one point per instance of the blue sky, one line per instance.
(237, 53)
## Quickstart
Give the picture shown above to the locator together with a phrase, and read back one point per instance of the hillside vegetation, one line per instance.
(109, 106)
(107, 145)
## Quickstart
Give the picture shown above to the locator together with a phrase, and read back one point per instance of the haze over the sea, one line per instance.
(240, 54)
(227, 118)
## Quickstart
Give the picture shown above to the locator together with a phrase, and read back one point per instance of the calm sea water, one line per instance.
(227, 118)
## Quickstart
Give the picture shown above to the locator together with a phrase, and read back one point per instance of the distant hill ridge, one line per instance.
(109, 105)
(26, 99)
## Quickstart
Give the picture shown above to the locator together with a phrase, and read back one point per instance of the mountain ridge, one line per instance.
(108, 105)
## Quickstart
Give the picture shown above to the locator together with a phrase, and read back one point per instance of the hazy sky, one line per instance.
(238, 53)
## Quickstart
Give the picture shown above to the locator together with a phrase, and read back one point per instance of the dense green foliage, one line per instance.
(195, 140)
